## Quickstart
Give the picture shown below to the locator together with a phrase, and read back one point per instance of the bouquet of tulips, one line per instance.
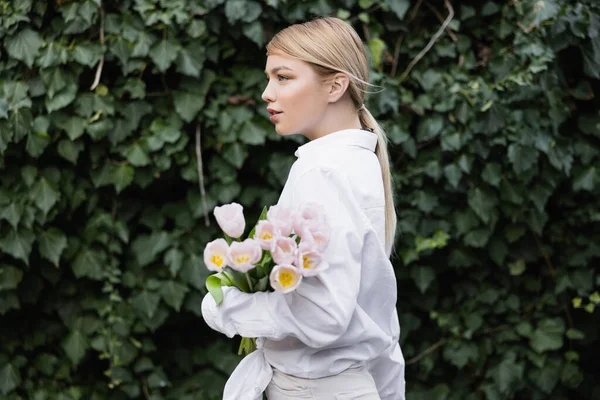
(284, 246)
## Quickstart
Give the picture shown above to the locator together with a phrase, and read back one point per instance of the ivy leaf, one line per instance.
(236, 154)
(62, 98)
(250, 133)
(174, 259)
(507, 373)
(164, 53)
(12, 213)
(517, 268)
(399, 7)
(44, 195)
(145, 303)
(88, 263)
(173, 293)
(24, 46)
(586, 179)
(18, 244)
(376, 46)
(70, 150)
(255, 32)
(75, 346)
(423, 276)
(122, 176)
(10, 277)
(190, 60)
(483, 203)
(548, 335)
(544, 10)
(137, 156)
(10, 379)
(147, 247)
(37, 143)
(52, 243)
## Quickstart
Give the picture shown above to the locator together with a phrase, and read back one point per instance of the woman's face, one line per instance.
(296, 97)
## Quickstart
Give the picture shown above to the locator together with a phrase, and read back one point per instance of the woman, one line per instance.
(336, 335)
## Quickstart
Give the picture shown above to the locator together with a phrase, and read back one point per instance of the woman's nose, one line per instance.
(268, 96)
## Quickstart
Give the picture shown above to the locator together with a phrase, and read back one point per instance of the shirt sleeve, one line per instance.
(319, 311)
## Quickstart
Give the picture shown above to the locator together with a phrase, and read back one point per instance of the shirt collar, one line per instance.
(346, 137)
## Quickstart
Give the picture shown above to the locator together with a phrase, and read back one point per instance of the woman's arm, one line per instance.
(319, 310)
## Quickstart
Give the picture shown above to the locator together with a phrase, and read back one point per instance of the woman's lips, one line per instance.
(275, 116)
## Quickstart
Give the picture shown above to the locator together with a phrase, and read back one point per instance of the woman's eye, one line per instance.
(282, 78)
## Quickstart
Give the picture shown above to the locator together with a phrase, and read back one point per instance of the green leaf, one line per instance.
(507, 374)
(236, 154)
(174, 259)
(376, 46)
(492, 174)
(255, 32)
(252, 134)
(137, 156)
(547, 377)
(62, 98)
(190, 60)
(75, 346)
(52, 243)
(522, 158)
(70, 150)
(461, 353)
(586, 179)
(12, 213)
(422, 276)
(483, 203)
(399, 7)
(164, 53)
(122, 176)
(188, 104)
(145, 303)
(213, 285)
(74, 126)
(430, 127)
(37, 143)
(10, 379)
(544, 10)
(173, 293)
(548, 335)
(4, 107)
(18, 244)
(10, 277)
(453, 174)
(44, 195)
(517, 268)
(24, 46)
(147, 247)
(88, 263)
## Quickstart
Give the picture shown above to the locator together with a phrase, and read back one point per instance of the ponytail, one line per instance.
(367, 120)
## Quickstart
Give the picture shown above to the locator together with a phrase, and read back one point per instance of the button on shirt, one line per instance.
(346, 316)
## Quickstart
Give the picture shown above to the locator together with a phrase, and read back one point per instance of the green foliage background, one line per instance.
(495, 140)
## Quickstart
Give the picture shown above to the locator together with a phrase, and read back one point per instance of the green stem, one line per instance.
(250, 286)
(229, 278)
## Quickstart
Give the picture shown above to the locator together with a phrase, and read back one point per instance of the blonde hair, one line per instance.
(331, 45)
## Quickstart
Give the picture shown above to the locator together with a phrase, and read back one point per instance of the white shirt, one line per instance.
(346, 316)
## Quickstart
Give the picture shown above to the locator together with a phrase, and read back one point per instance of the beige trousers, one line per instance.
(352, 384)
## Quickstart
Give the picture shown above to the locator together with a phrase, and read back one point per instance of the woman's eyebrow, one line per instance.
(279, 68)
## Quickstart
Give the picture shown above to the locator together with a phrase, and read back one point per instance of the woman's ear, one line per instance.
(339, 85)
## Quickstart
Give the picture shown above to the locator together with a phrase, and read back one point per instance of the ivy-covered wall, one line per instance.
(111, 111)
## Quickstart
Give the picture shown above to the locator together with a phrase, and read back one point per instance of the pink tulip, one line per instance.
(309, 213)
(242, 256)
(282, 218)
(266, 233)
(309, 259)
(284, 250)
(230, 218)
(215, 255)
(317, 232)
(285, 278)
